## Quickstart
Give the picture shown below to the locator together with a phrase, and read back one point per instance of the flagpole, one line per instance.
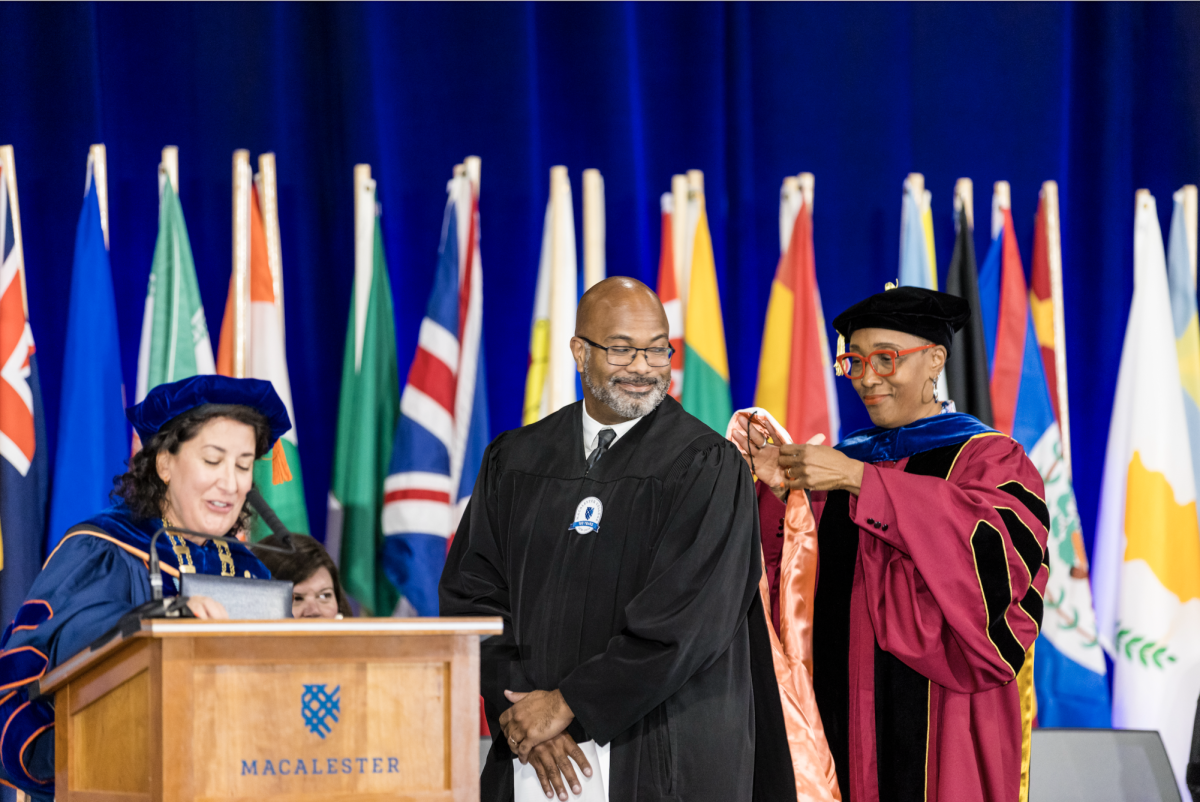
(594, 266)
(789, 194)
(694, 208)
(964, 200)
(8, 164)
(170, 164)
(268, 199)
(98, 172)
(474, 168)
(1189, 224)
(241, 259)
(560, 215)
(1054, 249)
(679, 197)
(364, 253)
(1001, 201)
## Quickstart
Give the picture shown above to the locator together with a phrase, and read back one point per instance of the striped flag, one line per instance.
(668, 293)
(967, 367)
(1147, 556)
(252, 341)
(706, 385)
(443, 426)
(552, 382)
(795, 372)
(1069, 672)
(367, 409)
(1181, 276)
(24, 468)
(918, 262)
(93, 440)
(175, 342)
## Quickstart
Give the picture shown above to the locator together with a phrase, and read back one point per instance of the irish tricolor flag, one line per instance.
(252, 334)
(1147, 558)
(706, 381)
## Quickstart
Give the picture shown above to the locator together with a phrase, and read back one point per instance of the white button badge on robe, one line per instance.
(587, 516)
(528, 788)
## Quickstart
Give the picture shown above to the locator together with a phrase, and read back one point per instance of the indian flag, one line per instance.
(1147, 559)
(175, 343)
(252, 333)
(706, 385)
(551, 381)
(795, 372)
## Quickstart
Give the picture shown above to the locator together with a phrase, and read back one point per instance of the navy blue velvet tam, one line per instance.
(167, 401)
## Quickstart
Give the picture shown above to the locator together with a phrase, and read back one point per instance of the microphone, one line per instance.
(176, 607)
(268, 515)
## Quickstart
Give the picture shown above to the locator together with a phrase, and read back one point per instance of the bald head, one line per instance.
(614, 300)
(618, 323)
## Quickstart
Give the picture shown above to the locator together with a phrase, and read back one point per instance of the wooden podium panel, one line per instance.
(191, 711)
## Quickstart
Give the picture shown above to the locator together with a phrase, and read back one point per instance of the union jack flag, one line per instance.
(443, 427)
(23, 463)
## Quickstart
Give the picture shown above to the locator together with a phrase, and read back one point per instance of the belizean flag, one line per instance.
(1069, 672)
(24, 467)
(443, 428)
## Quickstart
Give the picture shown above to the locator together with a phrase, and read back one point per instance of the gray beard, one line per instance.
(611, 395)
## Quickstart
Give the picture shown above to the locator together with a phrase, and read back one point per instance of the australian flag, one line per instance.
(443, 429)
(24, 477)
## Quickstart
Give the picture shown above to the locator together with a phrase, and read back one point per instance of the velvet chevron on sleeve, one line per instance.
(928, 604)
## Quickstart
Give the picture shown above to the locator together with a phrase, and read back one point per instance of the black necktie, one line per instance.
(606, 437)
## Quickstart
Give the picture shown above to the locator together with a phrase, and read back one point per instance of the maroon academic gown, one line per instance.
(928, 603)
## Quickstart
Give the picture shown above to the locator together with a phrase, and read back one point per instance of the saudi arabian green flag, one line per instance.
(367, 413)
(175, 343)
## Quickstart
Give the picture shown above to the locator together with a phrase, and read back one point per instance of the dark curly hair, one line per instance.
(141, 488)
(306, 557)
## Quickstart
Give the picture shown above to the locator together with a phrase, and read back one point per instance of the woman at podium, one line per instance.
(200, 438)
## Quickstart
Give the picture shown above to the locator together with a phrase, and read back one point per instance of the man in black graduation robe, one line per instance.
(635, 633)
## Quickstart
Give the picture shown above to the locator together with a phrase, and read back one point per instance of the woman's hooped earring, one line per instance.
(933, 400)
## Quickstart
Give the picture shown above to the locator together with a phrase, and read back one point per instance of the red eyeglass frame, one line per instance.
(867, 360)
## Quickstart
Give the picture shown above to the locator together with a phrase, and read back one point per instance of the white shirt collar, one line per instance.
(592, 427)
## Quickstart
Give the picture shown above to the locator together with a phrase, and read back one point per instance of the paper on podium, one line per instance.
(528, 788)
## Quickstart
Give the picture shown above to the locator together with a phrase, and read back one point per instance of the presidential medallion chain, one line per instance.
(226, 557)
(183, 556)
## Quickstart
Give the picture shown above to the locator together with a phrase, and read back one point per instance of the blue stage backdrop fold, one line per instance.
(1103, 98)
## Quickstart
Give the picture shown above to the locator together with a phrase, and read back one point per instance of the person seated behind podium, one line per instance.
(316, 587)
(200, 439)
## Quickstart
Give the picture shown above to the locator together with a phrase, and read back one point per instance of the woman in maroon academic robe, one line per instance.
(931, 535)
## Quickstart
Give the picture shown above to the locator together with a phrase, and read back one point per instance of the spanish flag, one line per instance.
(795, 371)
(706, 384)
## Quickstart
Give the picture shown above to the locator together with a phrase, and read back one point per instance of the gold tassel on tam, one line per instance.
(280, 471)
(841, 349)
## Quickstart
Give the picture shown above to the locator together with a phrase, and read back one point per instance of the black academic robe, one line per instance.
(642, 624)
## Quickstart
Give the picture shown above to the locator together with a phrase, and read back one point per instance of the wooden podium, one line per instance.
(313, 709)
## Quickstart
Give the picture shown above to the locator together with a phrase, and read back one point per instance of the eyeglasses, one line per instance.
(883, 363)
(623, 355)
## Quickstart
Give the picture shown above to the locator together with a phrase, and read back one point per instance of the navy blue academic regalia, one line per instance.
(96, 575)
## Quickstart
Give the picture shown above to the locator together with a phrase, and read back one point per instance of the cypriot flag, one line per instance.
(1147, 578)
(550, 383)
(252, 334)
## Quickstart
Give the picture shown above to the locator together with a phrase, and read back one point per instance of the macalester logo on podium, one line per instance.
(318, 706)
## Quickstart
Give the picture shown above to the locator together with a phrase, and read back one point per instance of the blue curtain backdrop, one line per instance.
(1103, 98)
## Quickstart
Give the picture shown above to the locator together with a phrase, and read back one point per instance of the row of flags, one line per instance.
(1147, 552)
(94, 442)
(406, 460)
